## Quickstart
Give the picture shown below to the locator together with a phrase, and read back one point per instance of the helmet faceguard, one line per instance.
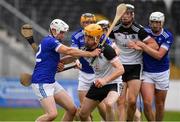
(157, 16)
(128, 16)
(156, 21)
(87, 18)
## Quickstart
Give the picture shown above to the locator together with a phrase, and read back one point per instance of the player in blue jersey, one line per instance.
(43, 84)
(156, 68)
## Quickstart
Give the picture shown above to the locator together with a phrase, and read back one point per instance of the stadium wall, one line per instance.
(13, 94)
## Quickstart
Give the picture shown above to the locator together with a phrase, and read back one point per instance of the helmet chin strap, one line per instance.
(95, 39)
(52, 33)
(95, 45)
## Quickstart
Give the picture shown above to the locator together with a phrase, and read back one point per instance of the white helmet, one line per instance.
(103, 23)
(59, 25)
(157, 16)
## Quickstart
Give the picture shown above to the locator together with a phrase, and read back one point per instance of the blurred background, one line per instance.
(17, 56)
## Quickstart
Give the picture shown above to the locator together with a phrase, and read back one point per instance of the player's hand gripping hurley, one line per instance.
(120, 10)
(27, 33)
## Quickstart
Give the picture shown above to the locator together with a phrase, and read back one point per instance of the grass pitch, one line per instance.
(30, 114)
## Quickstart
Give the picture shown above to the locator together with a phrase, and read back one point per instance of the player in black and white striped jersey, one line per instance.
(108, 70)
(125, 34)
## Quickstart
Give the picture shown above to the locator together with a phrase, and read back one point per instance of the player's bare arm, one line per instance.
(67, 59)
(77, 53)
(157, 54)
(119, 70)
(151, 43)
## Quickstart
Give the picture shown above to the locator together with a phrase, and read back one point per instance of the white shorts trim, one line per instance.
(43, 90)
(161, 80)
(85, 81)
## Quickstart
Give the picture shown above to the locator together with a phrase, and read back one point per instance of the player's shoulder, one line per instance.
(166, 33)
(49, 40)
(117, 26)
(108, 41)
(107, 46)
(108, 52)
(148, 29)
(78, 34)
(136, 27)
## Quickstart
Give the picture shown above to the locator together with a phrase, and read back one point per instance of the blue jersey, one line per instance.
(78, 41)
(164, 40)
(46, 61)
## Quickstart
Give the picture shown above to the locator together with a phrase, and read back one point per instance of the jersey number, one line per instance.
(39, 51)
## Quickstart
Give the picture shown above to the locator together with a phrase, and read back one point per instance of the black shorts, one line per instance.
(131, 72)
(101, 93)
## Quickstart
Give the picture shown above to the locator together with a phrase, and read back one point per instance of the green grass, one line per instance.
(30, 114)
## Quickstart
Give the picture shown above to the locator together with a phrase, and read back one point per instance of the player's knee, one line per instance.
(72, 110)
(122, 106)
(52, 115)
(83, 115)
(109, 105)
(121, 100)
(147, 104)
(132, 103)
(160, 105)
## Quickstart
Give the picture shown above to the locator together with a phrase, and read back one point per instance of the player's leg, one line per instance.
(49, 106)
(147, 92)
(160, 103)
(122, 104)
(85, 81)
(87, 107)
(82, 95)
(83, 88)
(137, 116)
(101, 107)
(110, 101)
(133, 91)
(45, 94)
(139, 109)
(162, 86)
(132, 77)
(64, 100)
(102, 110)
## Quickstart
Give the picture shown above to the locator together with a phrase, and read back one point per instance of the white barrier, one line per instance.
(173, 96)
